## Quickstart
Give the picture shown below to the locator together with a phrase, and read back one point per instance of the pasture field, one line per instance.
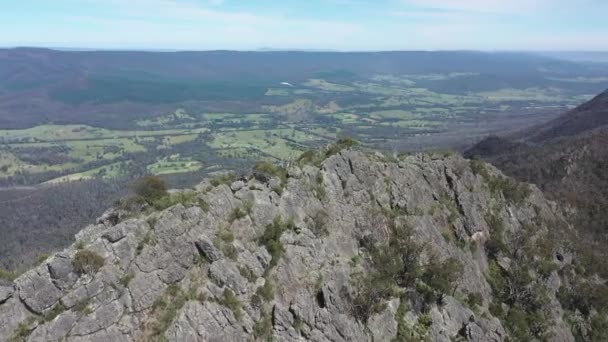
(383, 111)
(107, 171)
(174, 164)
(281, 144)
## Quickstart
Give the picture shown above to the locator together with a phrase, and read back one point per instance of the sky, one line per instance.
(344, 25)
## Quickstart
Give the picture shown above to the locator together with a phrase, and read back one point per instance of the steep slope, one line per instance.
(567, 159)
(571, 170)
(585, 118)
(361, 248)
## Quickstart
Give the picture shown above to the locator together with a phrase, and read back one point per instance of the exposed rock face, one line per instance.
(202, 273)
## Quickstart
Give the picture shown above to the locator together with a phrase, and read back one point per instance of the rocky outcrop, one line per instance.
(241, 262)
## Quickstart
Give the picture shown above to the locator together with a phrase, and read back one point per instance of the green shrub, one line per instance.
(264, 171)
(524, 325)
(370, 292)
(525, 299)
(512, 190)
(225, 179)
(150, 188)
(451, 206)
(131, 204)
(298, 324)
(496, 243)
(406, 332)
(271, 239)
(310, 157)
(169, 200)
(545, 267)
(316, 158)
(42, 258)
(396, 264)
(266, 292)
(583, 296)
(226, 236)
(166, 308)
(497, 311)
(232, 302)
(247, 273)
(87, 262)
(82, 306)
(126, 279)
(22, 332)
(479, 168)
(148, 240)
(599, 328)
(203, 205)
(474, 300)
(241, 212)
(7, 275)
(340, 145)
(319, 187)
(441, 275)
(224, 242)
(263, 327)
(53, 313)
(230, 251)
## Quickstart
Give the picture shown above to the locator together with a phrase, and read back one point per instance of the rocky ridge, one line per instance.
(278, 257)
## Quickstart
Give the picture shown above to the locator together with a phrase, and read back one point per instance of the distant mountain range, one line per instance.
(44, 85)
(578, 56)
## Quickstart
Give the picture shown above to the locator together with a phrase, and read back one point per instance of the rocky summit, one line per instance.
(357, 246)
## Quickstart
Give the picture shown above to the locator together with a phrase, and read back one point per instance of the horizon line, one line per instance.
(266, 49)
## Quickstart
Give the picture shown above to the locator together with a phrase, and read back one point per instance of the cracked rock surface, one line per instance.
(197, 273)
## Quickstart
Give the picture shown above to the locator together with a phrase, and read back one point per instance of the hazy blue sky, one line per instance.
(307, 24)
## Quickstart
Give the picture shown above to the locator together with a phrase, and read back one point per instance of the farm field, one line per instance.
(397, 112)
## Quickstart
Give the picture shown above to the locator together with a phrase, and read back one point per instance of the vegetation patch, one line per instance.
(8, 275)
(22, 332)
(57, 310)
(231, 301)
(148, 240)
(340, 145)
(87, 262)
(266, 291)
(186, 198)
(126, 279)
(263, 327)
(271, 239)
(474, 301)
(513, 191)
(316, 158)
(318, 187)
(247, 273)
(397, 265)
(520, 288)
(241, 212)
(83, 306)
(150, 188)
(225, 179)
(166, 308)
(407, 332)
(224, 242)
(264, 171)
